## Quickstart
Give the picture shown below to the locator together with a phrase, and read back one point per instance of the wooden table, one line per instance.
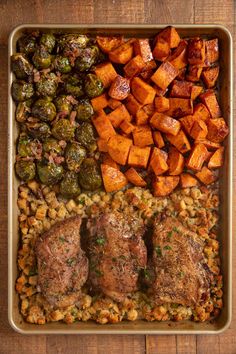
(15, 12)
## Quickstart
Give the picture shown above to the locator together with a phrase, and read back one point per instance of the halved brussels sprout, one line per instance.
(23, 111)
(20, 65)
(44, 109)
(74, 86)
(49, 173)
(52, 145)
(74, 155)
(47, 85)
(85, 136)
(48, 41)
(62, 64)
(41, 58)
(87, 57)
(25, 170)
(84, 110)
(63, 130)
(63, 104)
(24, 145)
(26, 44)
(89, 175)
(21, 90)
(38, 130)
(69, 186)
(93, 86)
(72, 41)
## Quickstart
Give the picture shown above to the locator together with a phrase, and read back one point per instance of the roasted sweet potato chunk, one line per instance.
(206, 176)
(99, 102)
(180, 141)
(143, 92)
(113, 104)
(118, 148)
(106, 73)
(170, 35)
(194, 73)
(102, 145)
(158, 139)
(120, 88)
(210, 76)
(197, 157)
(162, 104)
(187, 180)
(209, 144)
(196, 51)
(134, 66)
(132, 105)
(179, 56)
(217, 130)
(187, 123)
(165, 123)
(127, 127)
(118, 115)
(142, 136)
(158, 162)
(123, 53)
(212, 51)
(162, 49)
(201, 112)
(134, 177)
(210, 101)
(107, 44)
(181, 89)
(164, 185)
(113, 179)
(196, 91)
(180, 107)
(217, 159)
(139, 156)
(199, 130)
(142, 48)
(103, 126)
(107, 160)
(175, 162)
(164, 75)
(141, 117)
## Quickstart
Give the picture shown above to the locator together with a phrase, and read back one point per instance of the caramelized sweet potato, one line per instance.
(170, 35)
(99, 102)
(142, 136)
(209, 144)
(196, 51)
(107, 160)
(175, 162)
(187, 123)
(180, 107)
(106, 73)
(217, 130)
(181, 74)
(194, 73)
(148, 70)
(149, 109)
(118, 148)
(206, 176)
(107, 44)
(164, 75)
(134, 66)
(212, 51)
(120, 88)
(141, 117)
(158, 139)
(159, 91)
(113, 179)
(143, 92)
(180, 141)
(158, 162)
(127, 127)
(217, 159)
(132, 105)
(179, 56)
(187, 180)
(165, 123)
(199, 130)
(102, 145)
(162, 49)
(123, 53)
(181, 89)
(142, 48)
(197, 157)
(162, 104)
(138, 156)
(118, 115)
(103, 126)
(210, 76)
(196, 91)
(164, 185)
(113, 104)
(134, 177)
(210, 101)
(201, 112)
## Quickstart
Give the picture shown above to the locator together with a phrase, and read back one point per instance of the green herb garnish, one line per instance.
(175, 229)
(167, 247)
(62, 239)
(158, 251)
(100, 241)
(71, 261)
(98, 272)
(169, 235)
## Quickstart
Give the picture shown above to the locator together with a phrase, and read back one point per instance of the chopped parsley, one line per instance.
(167, 247)
(122, 257)
(98, 272)
(81, 201)
(100, 241)
(71, 261)
(146, 274)
(113, 259)
(169, 235)
(158, 251)
(62, 239)
(175, 229)
(181, 274)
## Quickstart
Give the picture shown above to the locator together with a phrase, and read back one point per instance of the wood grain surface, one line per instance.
(15, 12)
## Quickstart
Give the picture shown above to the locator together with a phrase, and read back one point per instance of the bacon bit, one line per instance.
(59, 79)
(45, 71)
(36, 75)
(59, 159)
(62, 143)
(71, 99)
(72, 55)
(50, 159)
(37, 149)
(72, 117)
(26, 158)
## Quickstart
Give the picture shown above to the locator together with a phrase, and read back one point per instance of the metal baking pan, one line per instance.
(125, 327)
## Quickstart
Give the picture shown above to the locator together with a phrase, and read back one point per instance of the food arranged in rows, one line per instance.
(109, 111)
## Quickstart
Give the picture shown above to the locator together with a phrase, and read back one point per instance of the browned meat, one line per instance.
(62, 264)
(117, 252)
(181, 274)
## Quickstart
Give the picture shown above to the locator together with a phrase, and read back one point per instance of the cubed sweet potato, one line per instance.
(201, 112)
(175, 162)
(194, 73)
(187, 123)
(187, 180)
(210, 101)
(142, 136)
(170, 35)
(127, 127)
(149, 109)
(158, 139)
(196, 91)
(209, 144)
(217, 130)
(118, 148)
(210, 76)
(141, 117)
(148, 70)
(165, 123)
(138, 156)
(196, 51)
(180, 141)
(197, 157)
(134, 66)
(134, 177)
(143, 92)
(181, 74)
(113, 104)
(164, 75)
(107, 160)
(181, 89)
(158, 162)
(142, 48)
(199, 130)
(212, 51)
(180, 107)
(179, 56)
(123, 53)
(162, 104)
(120, 88)
(159, 91)
(206, 176)
(164, 185)
(107, 44)
(132, 105)
(103, 126)
(106, 73)
(99, 102)
(113, 179)
(161, 50)
(217, 159)
(102, 145)
(118, 115)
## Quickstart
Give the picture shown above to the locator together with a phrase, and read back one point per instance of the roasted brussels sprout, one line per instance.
(48, 41)
(49, 173)
(21, 90)
(44, 109)
(20, 65)
(74, 155)
(24, 145)
(41, 58)
(38, 130)
(63, 104)
(63, 130)
(47, 85)
(84, 110)
(87, 57)
(74, 86)
(71, 42)
(52, 145)
(25, 170)
(23, 110)
(89, 175)
(85, 136)
(26, 44)
(69, 186)
(93, 85)
(62, 64)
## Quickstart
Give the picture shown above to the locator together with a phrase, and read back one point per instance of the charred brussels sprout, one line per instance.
(52, 145)
(85, 136)
(48, 41)
(38, 130)
(21, 66)
(69, 186)
(63, 104)
(89, 175)
(41, 58)
(93, 85)
(25, 170)
(62, 64)
(47, 85)
(44, 109)
(23, 110)
(24, 145)
(84, 110)
(63, 130)
(74, 86)
(26, 44)
(86, 58)
(49, 173)
(72, 42)
(74, 155)
(21, 90)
